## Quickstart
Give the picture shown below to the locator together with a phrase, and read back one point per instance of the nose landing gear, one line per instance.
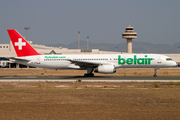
(155, 75)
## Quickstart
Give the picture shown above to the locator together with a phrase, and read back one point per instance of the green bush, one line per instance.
(79, 80)
(48, 87)
(166, 73)
(156, 84)
(135, 73)
(171, 83)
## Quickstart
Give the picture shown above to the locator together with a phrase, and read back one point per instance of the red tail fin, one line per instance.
(21, 46)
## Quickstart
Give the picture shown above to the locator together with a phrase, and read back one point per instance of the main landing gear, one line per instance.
(155, 75)
(89, 73)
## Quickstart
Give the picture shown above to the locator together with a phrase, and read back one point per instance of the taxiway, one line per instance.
(89, 79)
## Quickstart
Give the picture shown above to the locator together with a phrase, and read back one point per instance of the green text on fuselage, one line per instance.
(135, 61)
(54, 57)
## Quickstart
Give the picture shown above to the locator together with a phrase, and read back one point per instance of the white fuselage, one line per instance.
(117, 60)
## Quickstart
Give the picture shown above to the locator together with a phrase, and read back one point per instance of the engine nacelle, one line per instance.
(106, 69)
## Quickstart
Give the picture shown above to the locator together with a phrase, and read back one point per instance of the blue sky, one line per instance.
(58, 21)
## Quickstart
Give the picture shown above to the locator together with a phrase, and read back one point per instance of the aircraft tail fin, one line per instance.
(21, 46)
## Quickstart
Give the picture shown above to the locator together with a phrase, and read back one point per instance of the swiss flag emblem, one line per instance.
(20, 43)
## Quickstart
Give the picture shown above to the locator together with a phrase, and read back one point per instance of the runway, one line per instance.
(89, 79)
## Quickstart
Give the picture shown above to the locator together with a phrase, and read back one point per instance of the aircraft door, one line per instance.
(159, 60)
(38, 60)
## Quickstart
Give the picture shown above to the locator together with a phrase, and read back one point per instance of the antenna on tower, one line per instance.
(129, 24)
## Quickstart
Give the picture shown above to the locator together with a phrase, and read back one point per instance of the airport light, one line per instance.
(87, 42)
(27, 28)
(179, 49)
(116, 48)
(78, 39)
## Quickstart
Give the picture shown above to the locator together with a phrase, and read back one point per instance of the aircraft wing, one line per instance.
(19, 59)
(85, 64)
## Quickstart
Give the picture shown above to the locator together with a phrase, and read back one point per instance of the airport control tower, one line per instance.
(129, 34)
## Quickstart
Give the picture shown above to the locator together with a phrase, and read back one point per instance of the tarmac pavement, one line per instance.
(89, 79)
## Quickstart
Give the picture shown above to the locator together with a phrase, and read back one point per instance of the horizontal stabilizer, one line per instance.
(19, 59)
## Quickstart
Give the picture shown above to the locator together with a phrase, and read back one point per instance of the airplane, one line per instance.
(99, 63)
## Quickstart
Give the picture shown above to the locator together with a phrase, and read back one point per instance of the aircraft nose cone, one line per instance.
(174, 64)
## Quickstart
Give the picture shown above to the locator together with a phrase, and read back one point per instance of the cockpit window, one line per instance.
(168, 59)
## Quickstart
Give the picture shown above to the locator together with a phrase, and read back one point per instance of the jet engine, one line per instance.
(106, 69)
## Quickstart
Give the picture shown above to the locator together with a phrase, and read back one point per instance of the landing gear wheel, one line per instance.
(89, 75)
(92, 75)
(154, 75)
